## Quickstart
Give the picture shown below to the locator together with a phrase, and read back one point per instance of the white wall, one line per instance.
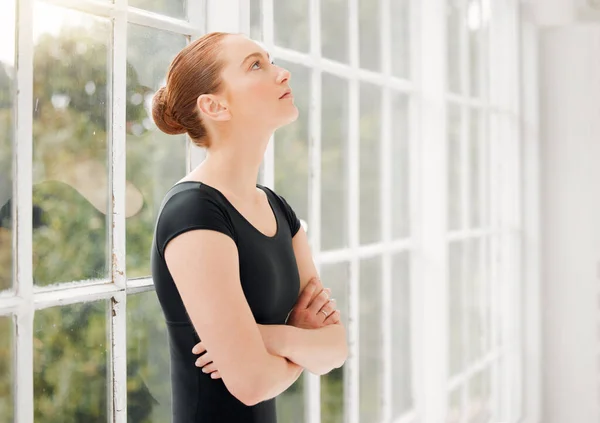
(570, 208)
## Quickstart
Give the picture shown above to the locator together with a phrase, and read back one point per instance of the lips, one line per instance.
(286, 94)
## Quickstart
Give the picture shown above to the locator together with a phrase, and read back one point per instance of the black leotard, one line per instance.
(269, 279)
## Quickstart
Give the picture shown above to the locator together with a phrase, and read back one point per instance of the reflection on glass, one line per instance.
(370, 164)
(256, 20)
(455, 307)
(455, 168)
(336, 277)
(6, 368)
(400, 41)
(454, 413)
(70, 130)
(291, 19)
(291, 145)
(7, 86)
(474, 312)
(173, 8)
(334, 30)
(402, 398)
(369, 34)
(476, 168)
(400, 167)
(474, 25)
(479, 398)
(148, 361)
(455, 47)
(370, 344)
(70, 363)
(155, 161)
(334, 163)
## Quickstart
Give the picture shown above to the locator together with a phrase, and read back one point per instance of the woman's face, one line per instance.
(256, 90)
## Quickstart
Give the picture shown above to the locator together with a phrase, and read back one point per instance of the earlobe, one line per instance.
(212, 108)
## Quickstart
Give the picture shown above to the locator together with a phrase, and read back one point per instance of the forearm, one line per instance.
(317, 350)
(277, 374)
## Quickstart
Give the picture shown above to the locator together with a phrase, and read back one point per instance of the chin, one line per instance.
(289, 116)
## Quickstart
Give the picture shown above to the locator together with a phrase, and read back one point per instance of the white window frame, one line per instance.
(428, 198)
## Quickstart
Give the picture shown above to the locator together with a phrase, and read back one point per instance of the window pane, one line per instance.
(400, 167)
(479, 398)
(334, 30)
(290, 404)
(334, 163)
(7, 87)
(174, 8)
(455, 168)
(70, 363)
(455, 47)
(401, 38)
(370, 163)
(292, 24)
(155, 161)
(291, 145)
(335, 276)
(256, 32)
(402, 398)
(474, 308)
(474, 25)
(6, 369)
(454, 412)
(148, 361)
(476, 176)
(455, 307)
(70, 131)
(369, 34)
(370, 344)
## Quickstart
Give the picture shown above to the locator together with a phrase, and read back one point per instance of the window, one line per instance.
(403, 163)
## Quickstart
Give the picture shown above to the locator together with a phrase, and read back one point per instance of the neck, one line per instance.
(233, 163)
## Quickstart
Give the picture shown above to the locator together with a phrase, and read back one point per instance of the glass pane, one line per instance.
(455, 168)
(455, 307)
(70, 131)
(335, 276)
(148, 361)
(174, 8)
(476, 168)
(474, 308)
(479, 407)
(6, 369)
(370, 163)
(256, 32)
(70, 360)
(474, 23)
(292, 24)
(371, 339)
(291, 145)
(155, 160)
(369, 34)
(334, 163)
(402, 396)
(334, 30)
(455, 47)
(400, 167)
(454, 412)
(290, 404)
(401, 38)
(7, 112)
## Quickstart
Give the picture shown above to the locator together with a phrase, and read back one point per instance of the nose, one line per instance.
(283, 76)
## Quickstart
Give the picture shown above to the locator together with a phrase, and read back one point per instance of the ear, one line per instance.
(213, 107)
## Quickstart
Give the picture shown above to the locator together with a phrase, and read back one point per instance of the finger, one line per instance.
(198, 348)
(319, 301)
(333, 318)
(203, 360)
(209, 368)
(307, 294)
(328, 308)
(215, 375)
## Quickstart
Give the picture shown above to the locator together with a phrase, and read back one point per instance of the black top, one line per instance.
(269, 279)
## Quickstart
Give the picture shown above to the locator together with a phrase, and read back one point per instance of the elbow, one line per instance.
(248, 389)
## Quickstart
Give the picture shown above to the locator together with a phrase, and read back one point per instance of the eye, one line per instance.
(257, 63)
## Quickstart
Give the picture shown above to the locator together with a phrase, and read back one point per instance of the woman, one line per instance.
(230, 261)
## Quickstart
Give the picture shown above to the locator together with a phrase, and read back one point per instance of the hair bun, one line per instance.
(162, 115)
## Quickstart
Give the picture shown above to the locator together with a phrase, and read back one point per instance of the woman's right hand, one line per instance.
(314, 309)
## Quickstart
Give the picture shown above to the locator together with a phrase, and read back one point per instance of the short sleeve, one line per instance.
(290, 215)
(189, 210)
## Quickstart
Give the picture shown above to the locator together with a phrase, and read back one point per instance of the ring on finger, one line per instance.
(324, 312)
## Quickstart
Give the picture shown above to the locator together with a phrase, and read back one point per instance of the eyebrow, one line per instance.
(255, 54)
